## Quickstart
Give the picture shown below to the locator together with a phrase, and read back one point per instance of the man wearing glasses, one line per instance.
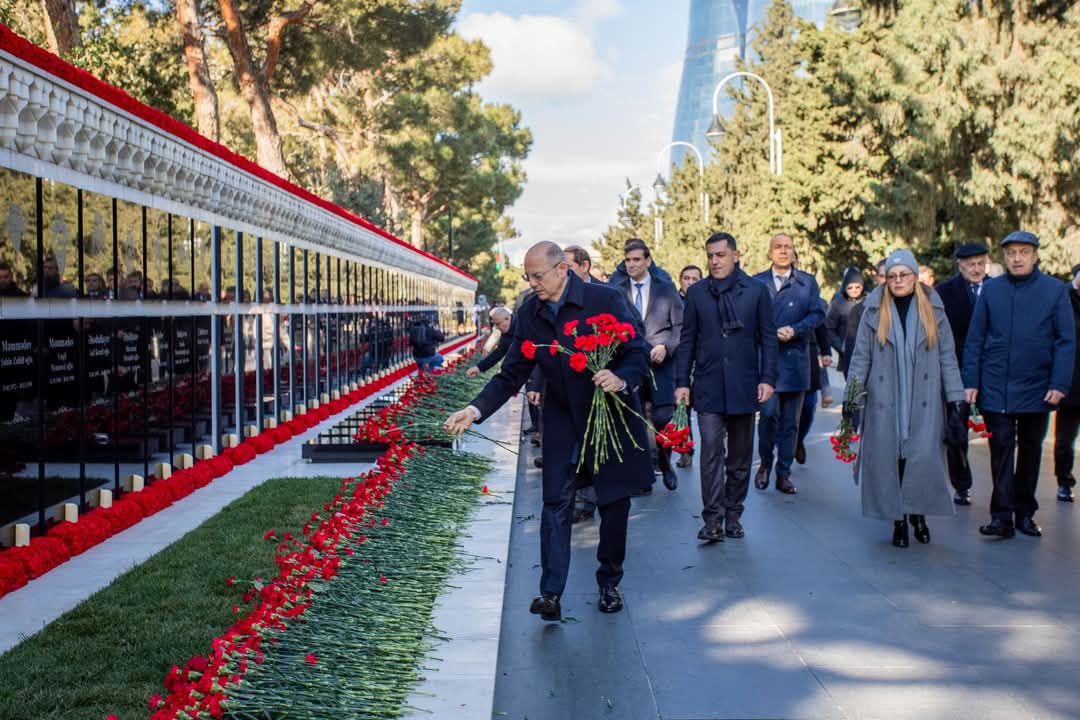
(1018, 363)
(959, 295)
(561, 299)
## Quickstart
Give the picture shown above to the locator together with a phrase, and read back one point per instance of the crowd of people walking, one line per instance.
(751, 355)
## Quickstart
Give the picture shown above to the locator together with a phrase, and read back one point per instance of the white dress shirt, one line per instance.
(646, 282)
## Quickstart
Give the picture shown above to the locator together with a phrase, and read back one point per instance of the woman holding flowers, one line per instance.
(583, 339)
(903, 372)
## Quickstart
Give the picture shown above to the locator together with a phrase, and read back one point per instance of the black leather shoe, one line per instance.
(899, 534)
(547, 607)
(1026, 524)
(583, 515)
(610, 600)
(962, 497)
(1065, 494)
(535, 441)
(712, 533)
(761, 480)
(734, 530)
(783, 484)
(685, 460)
(919, 528)
(671, 480)
(538, 462)
(998, 528)
(530, 430)
(800, 453)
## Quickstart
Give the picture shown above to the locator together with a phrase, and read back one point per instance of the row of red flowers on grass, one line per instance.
(67, 539)
(202, 685)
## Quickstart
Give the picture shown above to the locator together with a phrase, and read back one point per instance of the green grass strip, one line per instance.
(110, 654)
(366, 635)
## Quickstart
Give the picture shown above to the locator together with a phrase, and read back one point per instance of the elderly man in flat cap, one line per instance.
(959, 295)
(1018, 366)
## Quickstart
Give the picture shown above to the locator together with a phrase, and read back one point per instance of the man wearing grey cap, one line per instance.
(1018, 364)
(959, 294)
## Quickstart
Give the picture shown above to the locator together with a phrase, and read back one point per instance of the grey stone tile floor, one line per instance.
(812, 615)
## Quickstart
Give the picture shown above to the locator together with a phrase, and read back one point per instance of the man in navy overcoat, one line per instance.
(727, 362)
(798, 310)
(561, 298)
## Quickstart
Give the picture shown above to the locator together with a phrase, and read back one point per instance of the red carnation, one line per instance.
(554, 347)
(570, 328)
(311, 659)
(578, 361)
(587, 343)
(269, 534)
(528, 349)
(602, 319)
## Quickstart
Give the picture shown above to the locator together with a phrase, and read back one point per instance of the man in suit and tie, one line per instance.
(561, 301)
(660, 310)
(959, 295)
(798, 310)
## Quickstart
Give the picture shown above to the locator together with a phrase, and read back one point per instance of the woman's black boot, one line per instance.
(899, 533)
(921, 531)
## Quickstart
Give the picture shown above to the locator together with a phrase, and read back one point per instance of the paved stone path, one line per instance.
(813, 615)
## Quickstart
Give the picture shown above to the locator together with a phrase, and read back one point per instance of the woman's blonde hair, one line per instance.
(925, 312)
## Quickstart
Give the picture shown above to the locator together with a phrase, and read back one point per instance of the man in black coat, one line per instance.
(727, 361)
(659, 309)
(562, 305)
(959, 295)
(1067, 421)
(502, 319)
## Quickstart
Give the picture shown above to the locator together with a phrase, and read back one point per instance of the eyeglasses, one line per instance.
(899, 277)
(538, 277)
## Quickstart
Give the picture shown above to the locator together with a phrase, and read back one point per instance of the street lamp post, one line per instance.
(660, 185)
(776, 155)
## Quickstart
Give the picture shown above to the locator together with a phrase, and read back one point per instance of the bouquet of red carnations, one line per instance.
(593, 352)
(976, 423)
(848, 432)
(676, 434)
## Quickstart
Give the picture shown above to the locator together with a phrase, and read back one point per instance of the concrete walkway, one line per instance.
(813, 615)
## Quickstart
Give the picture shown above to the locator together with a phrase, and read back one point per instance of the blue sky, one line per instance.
(596, 82)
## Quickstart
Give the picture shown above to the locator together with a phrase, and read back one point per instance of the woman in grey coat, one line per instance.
(905, 362)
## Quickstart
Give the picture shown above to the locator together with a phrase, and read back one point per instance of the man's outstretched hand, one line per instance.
(459, 422)
(473, 371)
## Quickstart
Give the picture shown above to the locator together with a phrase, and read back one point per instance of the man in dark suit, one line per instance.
(561, 299)
(959, 295)
(727, 364)
(502, 319)
(659, 309)
(798, 310)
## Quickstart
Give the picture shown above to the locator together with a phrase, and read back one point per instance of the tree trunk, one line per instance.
(207, 120)
(255, 91)
(61, 25)
(416, 234)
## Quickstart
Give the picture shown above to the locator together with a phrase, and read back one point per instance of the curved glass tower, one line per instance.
(720, 32)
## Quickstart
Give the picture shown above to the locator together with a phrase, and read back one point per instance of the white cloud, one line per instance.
(539, 55)
(592, 11)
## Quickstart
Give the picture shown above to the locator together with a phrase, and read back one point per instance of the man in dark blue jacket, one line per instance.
(959, 294)
(797, 311)
(1018, 364)
(659, 308)
(561, 299)
(728, 347)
